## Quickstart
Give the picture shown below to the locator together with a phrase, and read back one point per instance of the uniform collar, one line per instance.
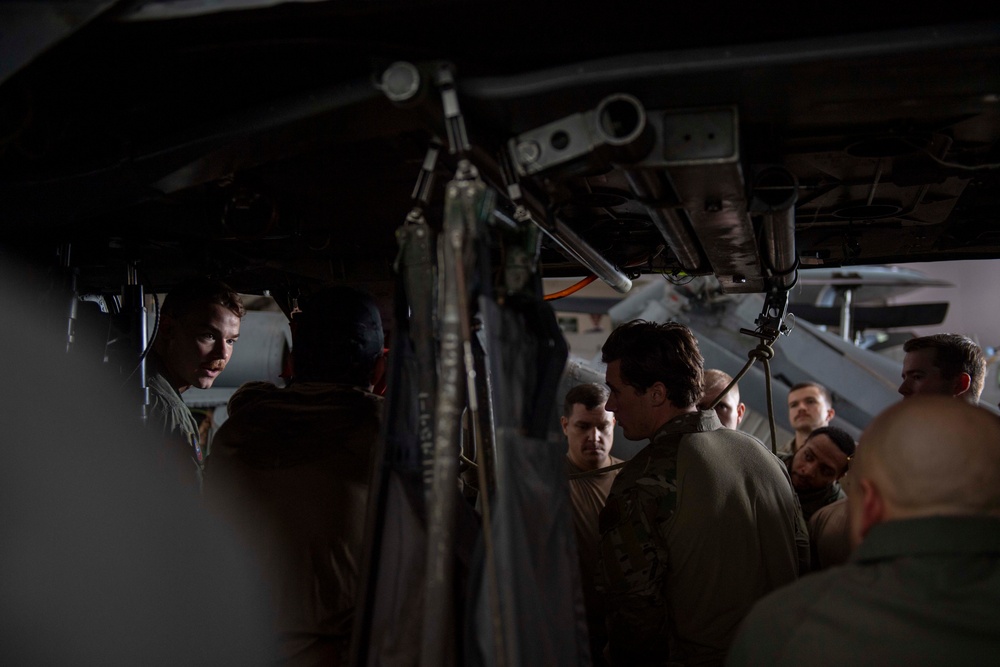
(690, 422)
(940, 535)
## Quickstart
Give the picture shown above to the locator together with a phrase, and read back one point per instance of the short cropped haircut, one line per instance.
(651, 352)
(182, 298)
(337, 337)
(824, 392)
(954, 354)
(839, 437)
(714, 377)
(590, 395)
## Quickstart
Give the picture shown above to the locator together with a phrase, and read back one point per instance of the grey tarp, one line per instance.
(538, 581)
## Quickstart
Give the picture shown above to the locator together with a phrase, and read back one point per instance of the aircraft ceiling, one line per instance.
(260, 143)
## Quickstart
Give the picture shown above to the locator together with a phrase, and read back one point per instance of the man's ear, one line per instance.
(565, 423)
(829, 415)
(740, 411)
(658, 393)
(873, 510)
(961, 384)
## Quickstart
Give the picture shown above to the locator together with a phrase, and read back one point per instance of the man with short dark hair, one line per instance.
(590, 434)
(817, 467)
(945, 364)
(291, 469)
(699, 524)
(199, 325)
(810, 407)
(588, 427)
(729, 409)
(923, 586)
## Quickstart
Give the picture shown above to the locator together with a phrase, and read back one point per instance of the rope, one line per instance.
(764, 352)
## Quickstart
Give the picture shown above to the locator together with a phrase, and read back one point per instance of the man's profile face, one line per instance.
(818, 464)
(628, 404)
(589, 434)
(921, 376)
(199, 344)
(808, 409)
(729, 409)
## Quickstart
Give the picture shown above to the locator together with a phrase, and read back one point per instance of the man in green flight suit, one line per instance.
(699, 524)
(199, 325)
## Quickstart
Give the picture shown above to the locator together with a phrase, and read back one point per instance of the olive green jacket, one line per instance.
(922, 592)
(169, 415)
(698, 525)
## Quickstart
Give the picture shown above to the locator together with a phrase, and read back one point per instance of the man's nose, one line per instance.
(904, 388)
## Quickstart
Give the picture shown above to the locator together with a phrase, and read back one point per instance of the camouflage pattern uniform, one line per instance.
(699, 525)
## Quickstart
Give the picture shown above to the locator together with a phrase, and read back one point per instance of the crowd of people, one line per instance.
(687, 576)
(694, 551)
(290, 468)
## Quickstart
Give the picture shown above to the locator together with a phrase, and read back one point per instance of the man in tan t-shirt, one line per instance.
(589, 430)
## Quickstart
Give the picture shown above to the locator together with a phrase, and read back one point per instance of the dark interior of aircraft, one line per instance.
(280, 146)
(285, 146)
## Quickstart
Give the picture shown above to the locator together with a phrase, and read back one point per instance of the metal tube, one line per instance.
(71, 313)
(878, 177)
(775, 194)
(134, 302)
(571, 242)
(675, 233)
(647, 185)
(845, 315)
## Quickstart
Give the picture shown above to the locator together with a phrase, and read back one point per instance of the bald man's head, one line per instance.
(926, 456)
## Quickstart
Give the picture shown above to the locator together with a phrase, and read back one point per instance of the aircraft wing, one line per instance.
(876, 317)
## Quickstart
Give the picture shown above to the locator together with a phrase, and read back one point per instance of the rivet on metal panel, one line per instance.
(528, 152)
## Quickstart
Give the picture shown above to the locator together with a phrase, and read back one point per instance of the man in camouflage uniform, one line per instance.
(699, 524)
